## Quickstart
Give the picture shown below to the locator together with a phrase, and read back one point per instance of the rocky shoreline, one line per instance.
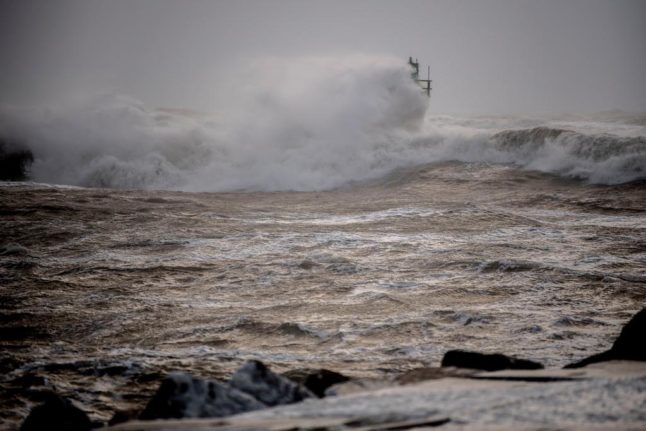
(469, 391)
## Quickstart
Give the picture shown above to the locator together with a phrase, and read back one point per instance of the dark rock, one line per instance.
(56, 414)
(184, 396)
(271, 389)
(629, 346)
(316, 381)
(15, 161)
(486, 362)
(631, 343)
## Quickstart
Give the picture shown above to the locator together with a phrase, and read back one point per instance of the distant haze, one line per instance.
(486, 56)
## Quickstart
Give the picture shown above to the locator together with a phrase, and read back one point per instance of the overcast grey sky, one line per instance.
(486, 56)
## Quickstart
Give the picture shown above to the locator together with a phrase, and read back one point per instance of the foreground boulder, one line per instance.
(252, 387)
(629, 346)
(56, 413)
(486, 362)
(317, 381)
(271, 389)
(181, 395)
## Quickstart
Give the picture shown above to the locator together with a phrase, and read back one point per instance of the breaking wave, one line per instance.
(310, 124)
(601, 158)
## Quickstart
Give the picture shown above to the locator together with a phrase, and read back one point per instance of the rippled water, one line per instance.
(103, 290)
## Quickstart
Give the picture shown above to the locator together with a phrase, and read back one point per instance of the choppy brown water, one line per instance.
(102, 291)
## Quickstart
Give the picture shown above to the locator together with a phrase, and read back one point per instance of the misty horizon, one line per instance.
(489, 57)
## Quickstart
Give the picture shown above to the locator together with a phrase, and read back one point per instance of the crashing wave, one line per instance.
(321, 123)
(600, 158)
(310, 124)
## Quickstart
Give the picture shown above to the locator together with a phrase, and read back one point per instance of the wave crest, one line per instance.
(599, 158)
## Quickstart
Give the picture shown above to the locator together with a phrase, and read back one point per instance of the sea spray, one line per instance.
(312, 123)
(321, 123)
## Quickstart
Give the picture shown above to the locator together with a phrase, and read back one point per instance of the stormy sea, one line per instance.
(332, 221)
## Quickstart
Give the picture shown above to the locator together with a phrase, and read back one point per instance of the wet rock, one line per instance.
(15, 161)
(486, 362)
(181, 395)
(56, 413)
(629, 346)
(317, 381)
(631, 343)
(271, 389)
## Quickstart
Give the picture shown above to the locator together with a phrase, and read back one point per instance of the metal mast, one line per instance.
(424, 83)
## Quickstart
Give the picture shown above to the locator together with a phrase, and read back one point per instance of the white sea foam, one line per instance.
(307, 124)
